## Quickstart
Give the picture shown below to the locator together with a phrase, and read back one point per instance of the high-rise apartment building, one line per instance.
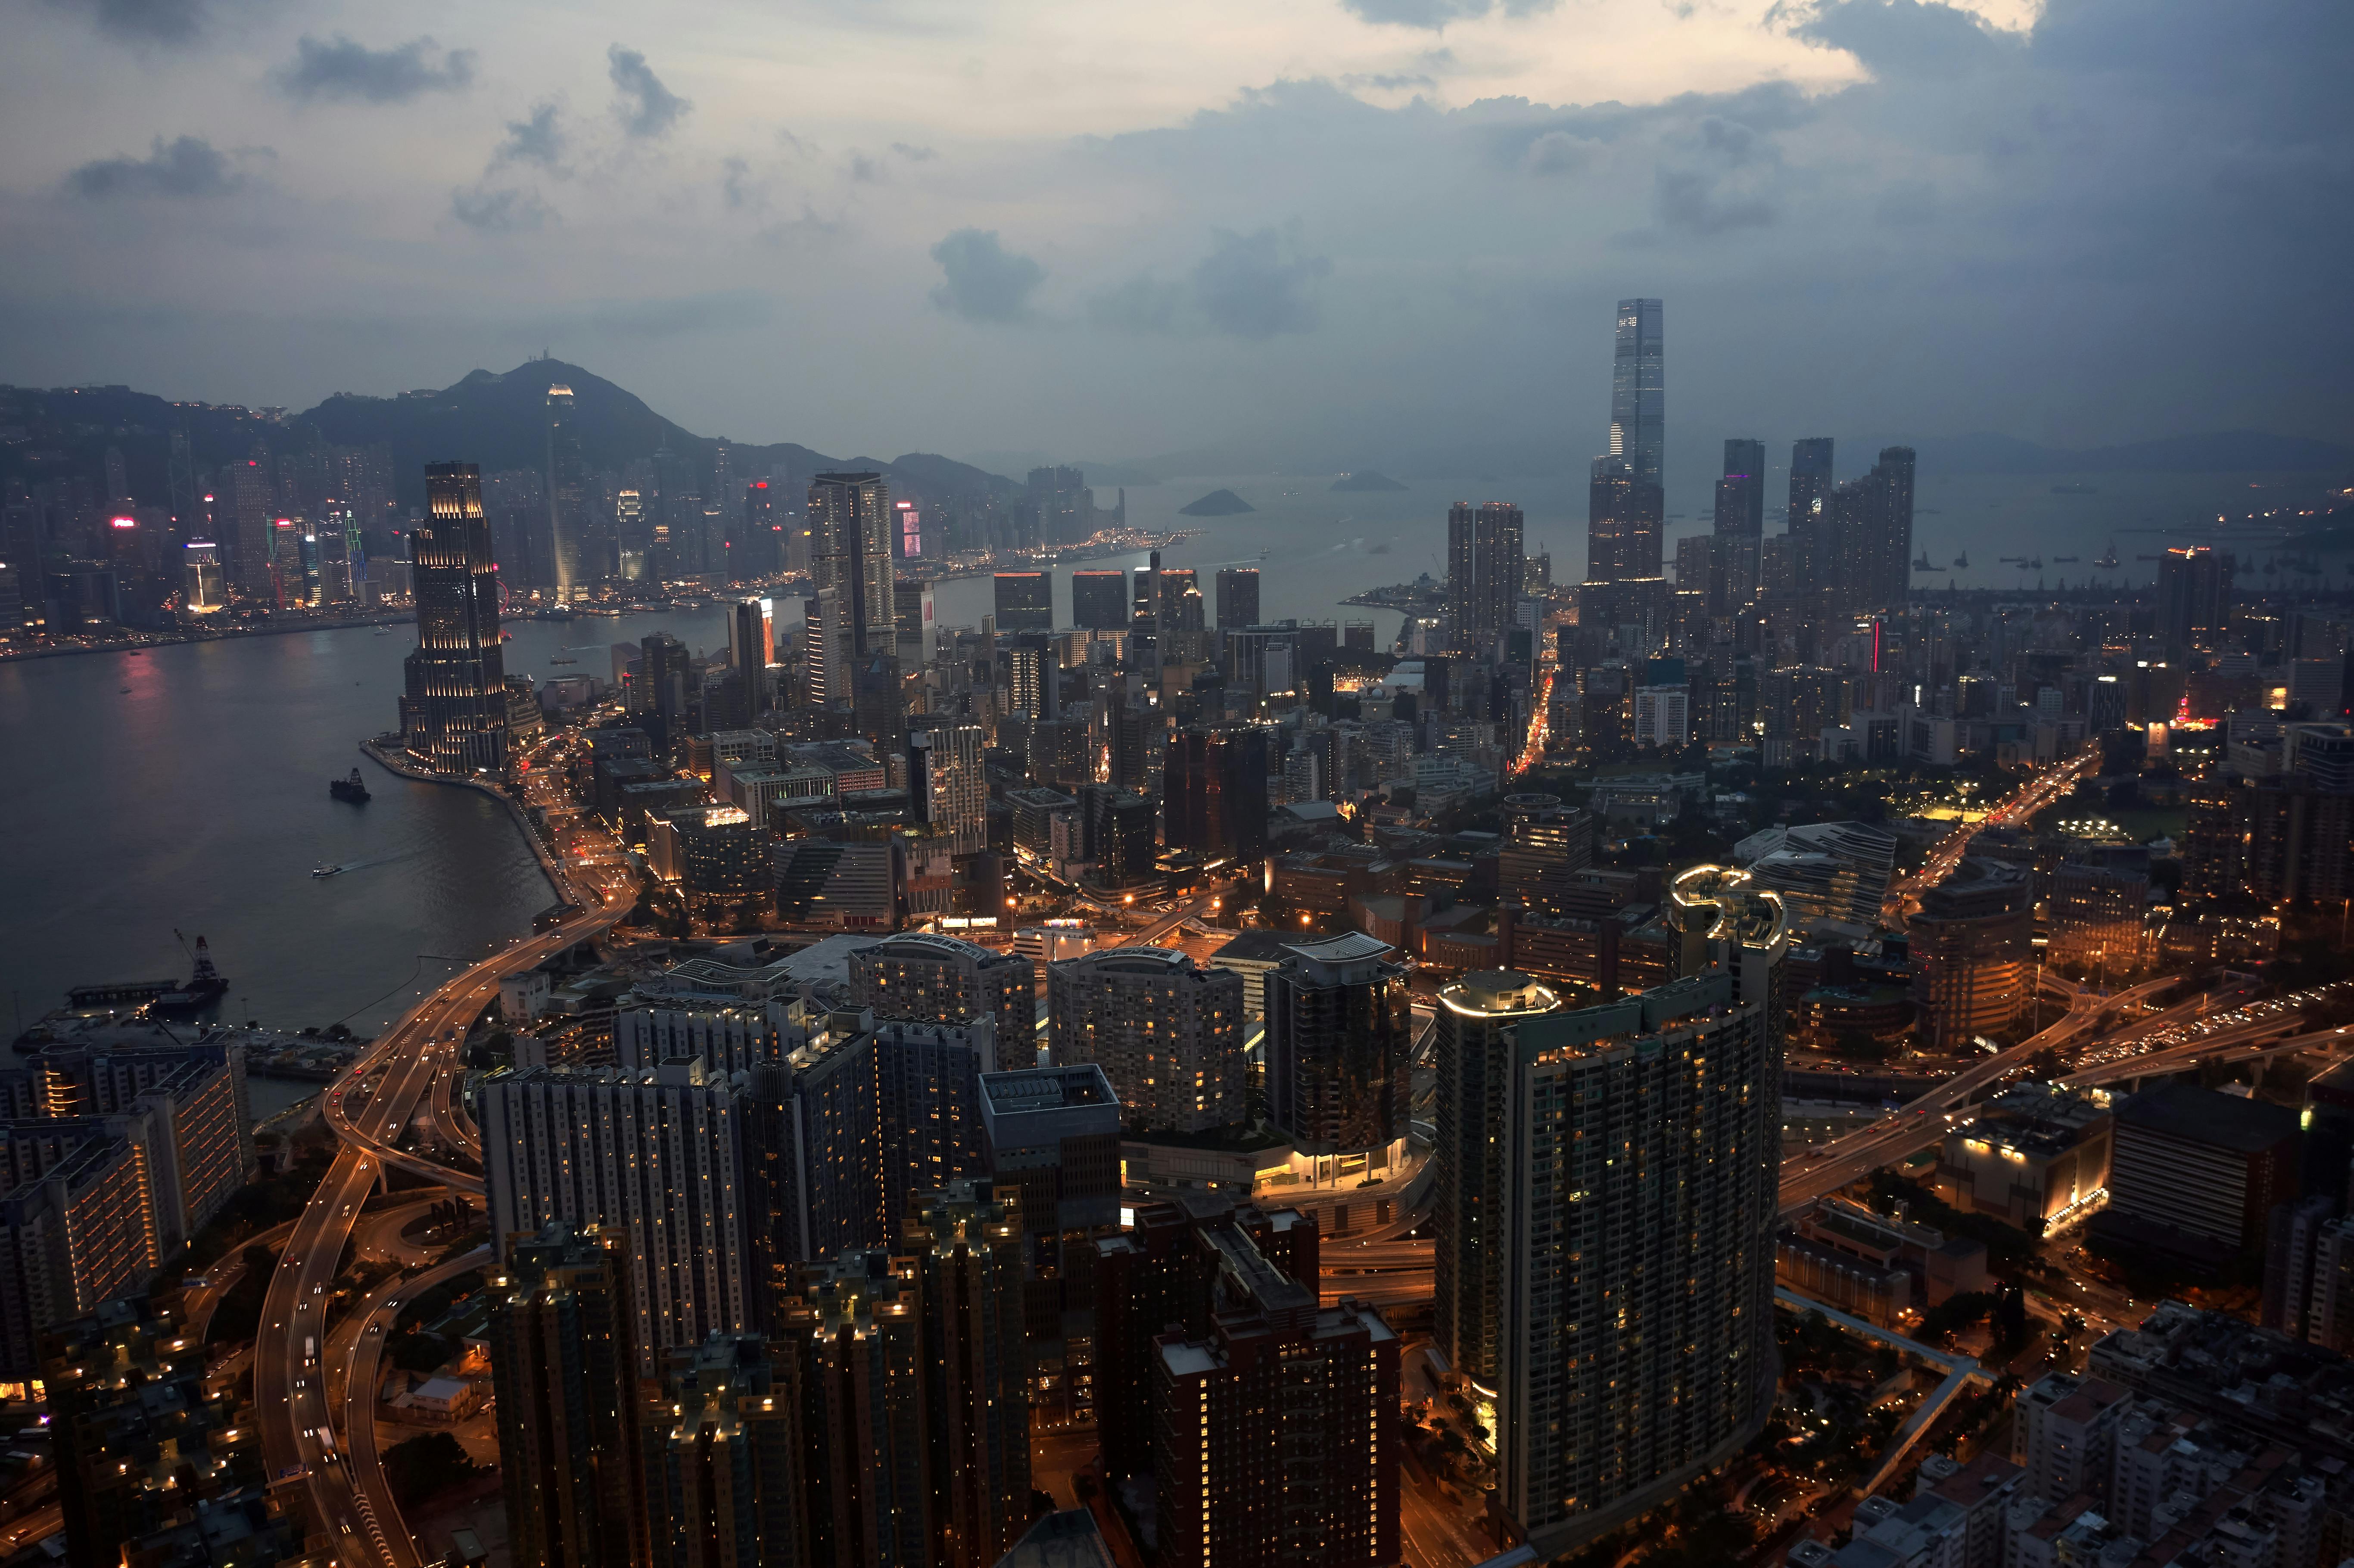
(565, 1358)
(949, 981)
(1099, 600)
(966, 1245)
(1339, 1040)
(1474, 1057)
(1024, 602)
(454, 709)
(1741, 518)
(1274, 1438)
(850, 552)
(1639, 1164)
(1214, 792)
(654, 1155)
(1169, 1033)
(1865, 546)
(1485, 566)
(724, 1457)
(567, 493)
(1237, 597)
(947, 786)
(1812, 558)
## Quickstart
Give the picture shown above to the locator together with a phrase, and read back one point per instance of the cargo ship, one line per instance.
(354, 789)
(205, 987)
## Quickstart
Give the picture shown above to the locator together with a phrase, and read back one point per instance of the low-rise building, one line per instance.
(2036, 1156)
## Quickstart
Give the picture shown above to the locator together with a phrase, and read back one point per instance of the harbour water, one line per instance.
(186, 787)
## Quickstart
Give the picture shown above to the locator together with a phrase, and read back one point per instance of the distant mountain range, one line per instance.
(496, 421)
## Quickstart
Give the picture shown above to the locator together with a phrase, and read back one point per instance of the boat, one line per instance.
(204, 986)
(2108, 561)
(2066, 560)
(1962, 561)
(382, 630)
(1926, 565)
(2036, 564)
(564, 659)
(324, 870)
(354, 789)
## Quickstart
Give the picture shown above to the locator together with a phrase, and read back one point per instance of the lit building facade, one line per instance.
(1339, 1043)
(454, 712)
(1169, 1033)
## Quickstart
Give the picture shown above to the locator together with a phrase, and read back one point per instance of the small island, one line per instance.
(1365, 479)
(1218, 504)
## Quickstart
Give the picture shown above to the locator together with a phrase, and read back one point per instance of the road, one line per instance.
(363, 1374)
(370, 1108)
(2021, 804)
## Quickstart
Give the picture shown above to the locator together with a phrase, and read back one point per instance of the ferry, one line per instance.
(2108, 561)
(1962, 561)
(324, 870)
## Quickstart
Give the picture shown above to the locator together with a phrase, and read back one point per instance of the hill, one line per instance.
(1218, 504)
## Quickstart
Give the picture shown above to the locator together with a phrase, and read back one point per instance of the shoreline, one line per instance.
(226, 634)
(549, 868)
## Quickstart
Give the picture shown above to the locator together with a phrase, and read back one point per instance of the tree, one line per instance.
(425, 1467)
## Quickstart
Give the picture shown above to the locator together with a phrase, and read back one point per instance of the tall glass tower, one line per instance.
(1639, 396)
(850, 552)
(568, 492)
(454, 710)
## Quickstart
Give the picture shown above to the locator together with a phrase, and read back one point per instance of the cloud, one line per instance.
(866, 171)
(1557, 153)
(1247, 287)
(346, 70)
(914, 154)
(1900, 37)
(1438, 14)
(187, 166)
(984, 281)
(506, 209)
(537, 137)
(1143, 304)
(646, 108)
(143, 21)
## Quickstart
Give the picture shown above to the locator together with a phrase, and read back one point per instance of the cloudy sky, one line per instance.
(1331, 229)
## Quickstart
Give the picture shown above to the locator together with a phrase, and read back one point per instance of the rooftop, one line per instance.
(2202, 1116)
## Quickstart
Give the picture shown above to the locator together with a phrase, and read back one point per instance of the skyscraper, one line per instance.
(1025, 602)
(1474, 1054)
(751, 648)
(1639, 392)
(1485, 567)
(1099, 600)
(1741, 518)
(850, 552)
(454, 712)
(565, 1358)
(1214, 791)
(725, 1451)
(966, 1245)
(568, 492)
(1810, 522)
(1338, 1040)
(1623, 523)
(2194, 598)
(947, 786)
(1237, 597)
(1638, 1156)
(918, 976)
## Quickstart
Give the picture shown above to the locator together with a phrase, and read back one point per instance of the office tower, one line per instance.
(1741, 519)
(1808, 527)
(1099, 600)
(915, 613)
(1025, 602)
(850, 551)
(454, 714)
(878, 701)
(1118, 833)
(1180, 631)
(1062, 506)
(2194, 599)
(1887, 547)
(1973, 952)
(829, 649)
(566, 1357)
(725, 1456)
(1546, 846)
(751, 648)
(567, 493)
(906, 531)
(1638, 391)
(663, 673)
(1824, 870)
(1147, 623)
(247, 492)
(634, 533)
(949, 980)
(1214, 792)
(201, 590)
(946, 786)
(1475, 1056)
(2195, 1174)
(1640, 1156)
(1237, 597)
(1623, 526)
(143, 1442)
(1484, 570)
(1338, 1042)
(1169, 1034)
(853, 1118)
(652, 1153)
(967, 1247)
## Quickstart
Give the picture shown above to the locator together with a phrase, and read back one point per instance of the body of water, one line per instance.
(186, 787)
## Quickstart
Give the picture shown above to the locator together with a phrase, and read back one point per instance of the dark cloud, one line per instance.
(1900, 37)
(1557, 153)
(504, 210)
(185, 166)
(1437, 14)
(538, 138)
(984, 281)
(646, 108)
(1248, 287)
(343, 68)
(143, 21)
(866, 171)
